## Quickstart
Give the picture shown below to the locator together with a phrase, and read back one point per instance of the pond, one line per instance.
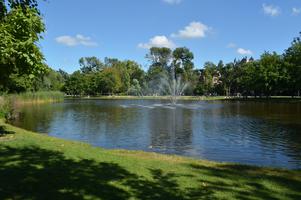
(250, 132)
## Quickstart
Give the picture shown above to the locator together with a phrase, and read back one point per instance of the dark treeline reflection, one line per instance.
(251, 132)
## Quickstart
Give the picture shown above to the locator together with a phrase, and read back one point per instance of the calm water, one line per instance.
(258, 133)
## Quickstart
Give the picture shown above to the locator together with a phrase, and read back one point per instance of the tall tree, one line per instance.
(292, 57)
(109, 81)
(270, 71)
(159, 57)
(182, 61)
(20, 30)
(90, 64)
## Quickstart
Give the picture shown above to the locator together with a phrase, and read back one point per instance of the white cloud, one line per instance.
(231, 45)
(271, 10)
(242, 51)
(157, 41)
(296, 11)
(75, 41)
(193, 30)
(172, 1)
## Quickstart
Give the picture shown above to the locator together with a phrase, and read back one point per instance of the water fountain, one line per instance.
(166, 84)
(172, 85)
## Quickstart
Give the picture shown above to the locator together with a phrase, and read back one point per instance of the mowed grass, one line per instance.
(36, 166)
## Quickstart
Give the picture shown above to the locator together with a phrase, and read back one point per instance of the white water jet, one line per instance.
(172, 85)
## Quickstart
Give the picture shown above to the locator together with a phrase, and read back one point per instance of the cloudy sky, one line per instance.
(126, 29)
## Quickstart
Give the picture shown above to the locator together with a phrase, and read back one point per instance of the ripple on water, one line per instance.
(222, 131)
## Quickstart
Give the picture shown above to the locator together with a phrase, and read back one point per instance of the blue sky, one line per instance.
(212, 29)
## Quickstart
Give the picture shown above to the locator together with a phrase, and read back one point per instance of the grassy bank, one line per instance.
(35, 166)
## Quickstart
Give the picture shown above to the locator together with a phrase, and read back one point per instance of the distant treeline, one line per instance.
(23, 67)
(271, 74)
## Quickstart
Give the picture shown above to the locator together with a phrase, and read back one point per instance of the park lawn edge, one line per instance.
(282, 183)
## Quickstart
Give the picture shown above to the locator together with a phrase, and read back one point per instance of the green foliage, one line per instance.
(135, 89)
(272, 74)
(114, 76)
(109, 81)
(20, 30)
(74, 85)
(182, 61)
(292, 58)
(90, 65)
(3, 9)
(159, 57)
(50, 81)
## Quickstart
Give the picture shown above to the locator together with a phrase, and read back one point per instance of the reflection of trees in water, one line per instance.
(277, 126)
(281, 138)
(171, 128)
(269, 130)
(82, 118)
(37, 117)
(266, 129)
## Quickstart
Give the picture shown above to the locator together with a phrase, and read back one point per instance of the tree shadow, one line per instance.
(165, 186)
(251, 182)
(4, 132)
(35, 173)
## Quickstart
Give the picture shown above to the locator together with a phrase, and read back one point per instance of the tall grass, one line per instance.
(37, 97)
(4, 107)
(9, 102)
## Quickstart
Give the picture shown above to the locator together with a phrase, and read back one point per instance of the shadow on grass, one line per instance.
(35, 173)
(250, 182)
(3, 131)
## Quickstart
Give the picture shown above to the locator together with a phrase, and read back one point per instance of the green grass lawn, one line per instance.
(36, 166)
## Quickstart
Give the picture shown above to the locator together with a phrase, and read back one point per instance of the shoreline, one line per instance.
(27, 156)
(183, 98)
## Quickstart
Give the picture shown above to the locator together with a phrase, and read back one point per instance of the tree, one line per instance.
(20, 30)
(182, 61)
(135, 71)
(135, 88)
(3, 9)
(292, 58)
(74, 85)
(90, 64)
(270, 71)
(108, 81)
(64, 74)
(159, 57)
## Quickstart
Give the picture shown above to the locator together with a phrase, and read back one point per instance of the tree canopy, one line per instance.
(23, 67)
(20, 31)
